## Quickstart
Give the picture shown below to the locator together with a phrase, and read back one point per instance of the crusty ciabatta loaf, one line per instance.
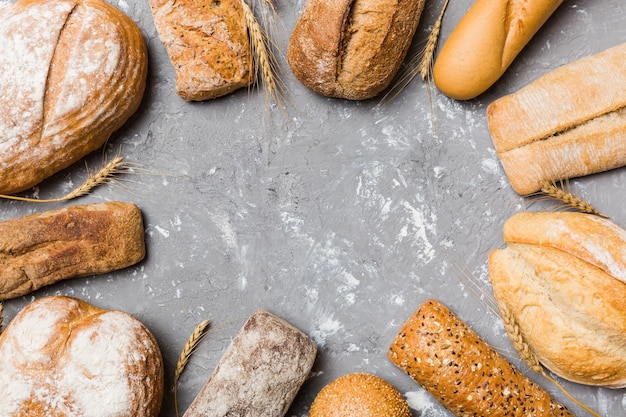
(73, 72)
(62, 356)
(44, 248)
(352, 48)
(208, 45)
(446, 357)
(260, 372)
(485, 42)
(562, 277)
(567, 123)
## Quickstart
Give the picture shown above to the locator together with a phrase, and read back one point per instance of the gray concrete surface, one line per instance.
(341, 217)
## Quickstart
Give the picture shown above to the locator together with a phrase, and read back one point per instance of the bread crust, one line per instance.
(74, 72)
(567, 123)
(62, 356)
(485, 42)
(464, 373)
(44, 248)
(207, 43)
(352, 48)
(260, 372)
(562, 278)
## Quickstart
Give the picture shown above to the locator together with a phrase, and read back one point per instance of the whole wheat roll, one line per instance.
(485, 42)
(450, 360)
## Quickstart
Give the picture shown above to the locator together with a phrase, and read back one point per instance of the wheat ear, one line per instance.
(568, 198)
(426, 63)
(102, 176)
(198, 333)
(264, 59)
(526, 354)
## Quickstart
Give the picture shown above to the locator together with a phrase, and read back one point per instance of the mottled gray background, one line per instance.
(341, 217)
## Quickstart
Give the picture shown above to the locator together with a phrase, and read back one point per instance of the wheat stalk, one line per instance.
(527, 355)
(264, 59)
(102, 176)
(198, 333)
(428, 56)
(568, 198)
(1, 316)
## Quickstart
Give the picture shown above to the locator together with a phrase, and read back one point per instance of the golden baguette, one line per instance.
(564, 275)
(44, 248)
(567, 123)
(450, 360)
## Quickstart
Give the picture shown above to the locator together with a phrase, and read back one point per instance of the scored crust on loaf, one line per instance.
(556, 277)
(352, 48)
(207, 43)
(466, 375)
(64, 357)
(567, 123)
(73, 72)
(43, 248)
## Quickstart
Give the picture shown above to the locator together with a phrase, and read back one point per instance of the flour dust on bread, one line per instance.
(208, 45)
(62, 356)
(485, 42)
(568, 123)
(73, 72)
(562, 277)
(352, 49)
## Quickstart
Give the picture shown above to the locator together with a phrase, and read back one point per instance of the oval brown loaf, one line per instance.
(485, 42)
(352, 48)
(564, 275)
(446, 357)
(73, 72)
(359, 394)
(62, 356)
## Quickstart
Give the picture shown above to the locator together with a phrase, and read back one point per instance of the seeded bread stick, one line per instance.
(462, 372)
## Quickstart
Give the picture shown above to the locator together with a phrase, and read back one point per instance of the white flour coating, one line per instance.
(91, 377)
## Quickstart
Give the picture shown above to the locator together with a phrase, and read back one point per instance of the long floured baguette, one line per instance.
(450, 360)
(44, 248)
(567, 123)
(563, 275)
(260, 372)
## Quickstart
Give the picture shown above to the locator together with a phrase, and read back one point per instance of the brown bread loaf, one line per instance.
(44, 248)
(562, 277)
(73, 72)
(352, 48)
(208, 45)
(446, 357)
(62, 356)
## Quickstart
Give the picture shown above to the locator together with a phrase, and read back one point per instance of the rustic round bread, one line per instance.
(73, 72)
(62, 356)
(359, 394)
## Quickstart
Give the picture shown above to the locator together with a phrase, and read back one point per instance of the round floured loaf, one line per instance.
(73, 72)
(64, 357)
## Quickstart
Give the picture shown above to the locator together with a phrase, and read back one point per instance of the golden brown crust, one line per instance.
(485, 42)
(352, 48)
(567, 123)
(65, 357)
(461, 371)
(44, 248)
(208, 45)
(76, 71)
(359, 394)
(561, 275)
